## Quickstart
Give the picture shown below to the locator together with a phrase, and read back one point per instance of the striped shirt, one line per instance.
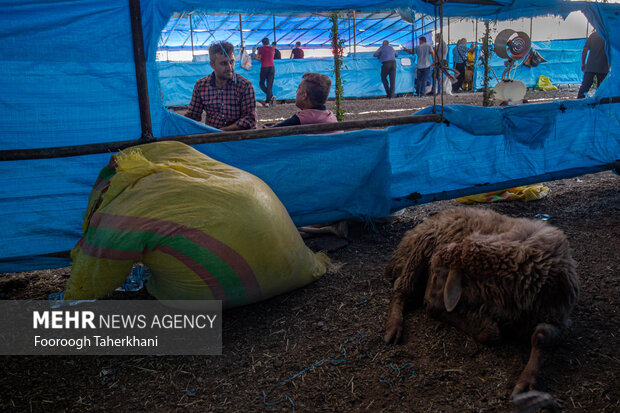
(235, 103)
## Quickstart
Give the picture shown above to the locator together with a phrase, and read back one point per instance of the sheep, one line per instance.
(490, 276)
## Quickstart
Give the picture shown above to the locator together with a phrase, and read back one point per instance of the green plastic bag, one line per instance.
(544, 83)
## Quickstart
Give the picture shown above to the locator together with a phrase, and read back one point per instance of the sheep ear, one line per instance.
(452, 291)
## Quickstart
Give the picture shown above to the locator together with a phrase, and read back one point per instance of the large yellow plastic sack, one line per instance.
(520, 193)
(205, 229)
(544, 83)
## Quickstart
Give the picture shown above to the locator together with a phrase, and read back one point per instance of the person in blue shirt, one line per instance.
(460, 61)
(387, 55)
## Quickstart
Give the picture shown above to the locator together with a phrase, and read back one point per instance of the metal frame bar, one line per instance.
(382, 30)
(405, 28)
(280, 25)
(172, 30)
(376, 23)
(407, 33)
(310, 41)
(286, 34)
(190, 33)
(214, 30)
(370, 27)
(254, 30)
(321, 22)
(329, 41)
(234, 31)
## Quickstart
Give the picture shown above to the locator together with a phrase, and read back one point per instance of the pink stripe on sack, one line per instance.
(171, 229)
(212, 283)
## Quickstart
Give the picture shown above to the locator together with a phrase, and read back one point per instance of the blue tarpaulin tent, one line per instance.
(68, 77)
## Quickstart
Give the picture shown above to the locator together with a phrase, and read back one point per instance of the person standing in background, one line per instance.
(276, 55)
(267, 70)
(460, 61)
(297, 52)
(424, 52)
(441, 53)
(254, 54)
(469, 68)
(596, 65)
(387, 56)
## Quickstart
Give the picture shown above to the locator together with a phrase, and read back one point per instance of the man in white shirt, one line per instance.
(424, 52)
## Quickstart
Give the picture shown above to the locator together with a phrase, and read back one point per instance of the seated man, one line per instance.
(311, 96)
(227, 98)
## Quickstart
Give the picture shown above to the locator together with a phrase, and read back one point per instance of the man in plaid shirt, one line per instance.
(227, 98)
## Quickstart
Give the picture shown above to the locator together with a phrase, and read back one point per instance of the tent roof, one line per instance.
(311, 29)
(307, 21)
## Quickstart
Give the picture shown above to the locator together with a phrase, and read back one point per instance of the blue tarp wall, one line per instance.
(67, 77)
(361, 73)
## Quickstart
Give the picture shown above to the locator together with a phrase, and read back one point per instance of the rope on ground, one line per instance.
(400, 380)
(318, 363)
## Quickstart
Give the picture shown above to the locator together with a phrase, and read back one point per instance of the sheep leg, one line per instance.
(394, 327)
(543, 337)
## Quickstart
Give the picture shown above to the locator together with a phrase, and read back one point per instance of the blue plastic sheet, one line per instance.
(361, 77)
(361, 73)
(65, 83)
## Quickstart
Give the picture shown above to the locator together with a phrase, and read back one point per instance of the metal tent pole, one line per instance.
(191, 34)
(473, 78)
(434, 81)
(442, 51)
(140, 64)
(354, 36)
(274, 27)
(241, 30)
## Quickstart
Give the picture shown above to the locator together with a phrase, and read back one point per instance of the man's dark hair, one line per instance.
(317, 87)
(223, 48)
(265, 41)
(422, 39)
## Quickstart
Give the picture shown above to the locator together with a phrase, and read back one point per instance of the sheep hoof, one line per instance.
(533, 401)
(525, 383)
(393, 333)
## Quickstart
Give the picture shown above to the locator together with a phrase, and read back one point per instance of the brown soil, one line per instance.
(336, 325)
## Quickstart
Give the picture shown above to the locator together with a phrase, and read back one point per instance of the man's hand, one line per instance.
(232, 127)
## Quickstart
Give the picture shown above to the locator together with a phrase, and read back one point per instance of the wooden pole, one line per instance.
(78, 150)
(140, 65)
(349, 39)
(274, 27)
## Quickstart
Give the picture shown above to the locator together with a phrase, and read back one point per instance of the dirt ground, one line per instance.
(332, 332)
